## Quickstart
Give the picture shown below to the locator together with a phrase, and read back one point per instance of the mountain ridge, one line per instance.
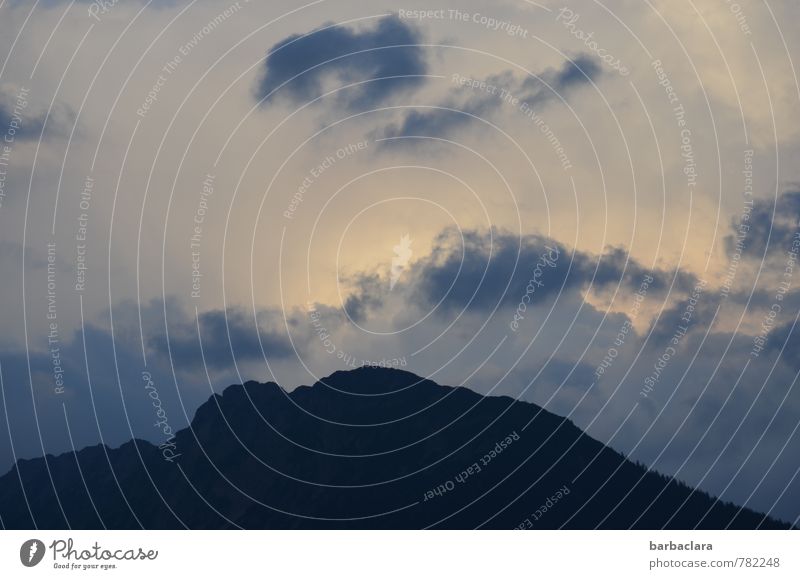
(365, 448)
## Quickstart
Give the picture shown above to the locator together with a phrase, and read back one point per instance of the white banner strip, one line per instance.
(378, 555)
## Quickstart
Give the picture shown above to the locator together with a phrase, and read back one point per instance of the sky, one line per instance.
(592, 206)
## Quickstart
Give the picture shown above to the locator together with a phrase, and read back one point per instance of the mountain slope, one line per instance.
(369, 448)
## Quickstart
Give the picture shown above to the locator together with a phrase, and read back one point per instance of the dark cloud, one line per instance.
(785, 340)
(494, 269)
(772, 227)
(22, 128)
(694, 312)
(762, 299)
(347, 55)
(572, 74)
(20, 120)
(227, 336)
(617, 259)
(367, 293)
(456, 111)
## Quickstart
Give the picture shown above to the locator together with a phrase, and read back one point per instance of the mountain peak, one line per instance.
(372, 380)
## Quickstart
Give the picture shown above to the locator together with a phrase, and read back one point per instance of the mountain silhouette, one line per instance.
(367, 448)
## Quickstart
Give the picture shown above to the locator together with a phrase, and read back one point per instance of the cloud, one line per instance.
(552, 83)
(19, 121)
(533, 90)
(785, 340)
(298, 66)
(769, 229)
(495, 268)
(694, 312)
(228, 337)
(367, 293)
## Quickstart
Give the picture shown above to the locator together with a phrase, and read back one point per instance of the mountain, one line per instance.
(368, 448)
